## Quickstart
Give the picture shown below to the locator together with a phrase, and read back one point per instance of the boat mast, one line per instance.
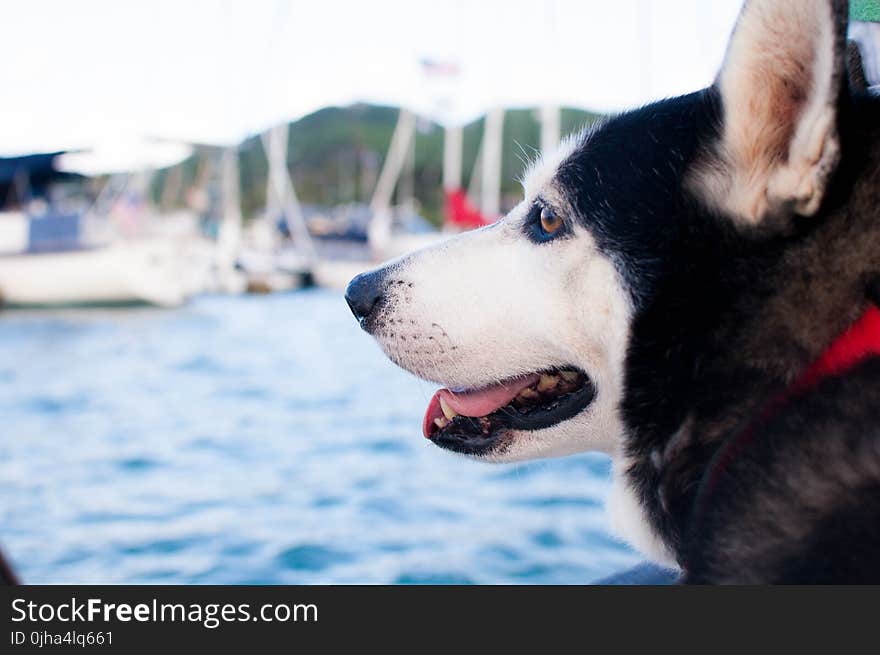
(229, 234)
(549, 113)
(379, 230)
(549, 128)
(281, 194)
(490, 192)
(452, 146)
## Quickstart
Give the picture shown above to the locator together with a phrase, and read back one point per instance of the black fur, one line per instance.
(802, 502)
(873, 289)
(625, 182)
(855, 67)
(725, 318)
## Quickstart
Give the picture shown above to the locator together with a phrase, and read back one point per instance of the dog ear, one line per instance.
(780, 85)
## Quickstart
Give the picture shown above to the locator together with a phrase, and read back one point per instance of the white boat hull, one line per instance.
(140, 271)
(336, 274)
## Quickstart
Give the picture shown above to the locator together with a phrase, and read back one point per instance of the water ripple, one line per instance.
(261, 440)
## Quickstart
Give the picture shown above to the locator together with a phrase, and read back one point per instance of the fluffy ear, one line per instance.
(779, 86)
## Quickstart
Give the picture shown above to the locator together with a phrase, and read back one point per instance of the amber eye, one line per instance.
(550, 222)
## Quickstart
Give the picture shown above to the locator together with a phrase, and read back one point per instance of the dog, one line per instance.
(689, 287)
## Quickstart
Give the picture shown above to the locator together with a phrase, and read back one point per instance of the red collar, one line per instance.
(858, 343)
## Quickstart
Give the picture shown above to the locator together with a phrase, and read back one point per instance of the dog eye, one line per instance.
(550, 222)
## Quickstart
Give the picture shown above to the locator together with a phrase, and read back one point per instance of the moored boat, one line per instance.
(123, 272)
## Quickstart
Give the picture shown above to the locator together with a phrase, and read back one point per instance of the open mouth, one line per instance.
(474, 422)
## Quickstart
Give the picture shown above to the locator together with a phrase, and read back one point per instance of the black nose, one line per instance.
(364, 292)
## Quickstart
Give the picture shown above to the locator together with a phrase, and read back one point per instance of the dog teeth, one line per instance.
(441, 422)
(448, 412)
(569, 376)
(527, 394)
(547, 382)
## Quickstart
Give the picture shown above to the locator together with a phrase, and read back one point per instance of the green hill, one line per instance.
(335, 155)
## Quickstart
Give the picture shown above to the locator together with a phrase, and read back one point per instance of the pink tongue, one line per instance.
(475, 403)
(485, 401)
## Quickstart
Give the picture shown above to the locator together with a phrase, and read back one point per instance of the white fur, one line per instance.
(628, 519)
(540, 174)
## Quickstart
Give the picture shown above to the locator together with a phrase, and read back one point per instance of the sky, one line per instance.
(109, 73)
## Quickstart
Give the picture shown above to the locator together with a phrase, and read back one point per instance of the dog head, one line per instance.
(577, 318)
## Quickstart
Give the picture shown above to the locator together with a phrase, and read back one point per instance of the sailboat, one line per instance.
(56, 255)
(270, 264)
(142, 271)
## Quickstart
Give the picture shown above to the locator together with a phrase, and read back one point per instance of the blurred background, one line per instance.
(185, 190)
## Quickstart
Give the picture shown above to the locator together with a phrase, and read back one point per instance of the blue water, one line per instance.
(261, 440)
